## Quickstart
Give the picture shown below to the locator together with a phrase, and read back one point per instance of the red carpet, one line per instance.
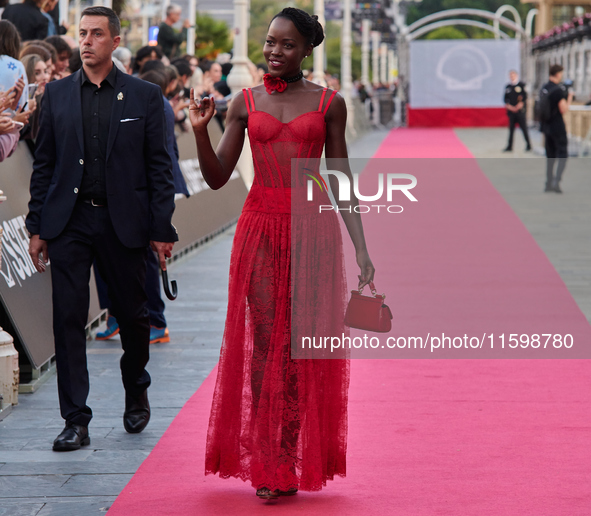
(457, 117)
(430, 437)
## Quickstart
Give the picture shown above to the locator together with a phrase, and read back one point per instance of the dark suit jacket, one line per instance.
(138, 170)
(28, 19)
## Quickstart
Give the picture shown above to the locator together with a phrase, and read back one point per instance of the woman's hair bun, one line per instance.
(306, 24)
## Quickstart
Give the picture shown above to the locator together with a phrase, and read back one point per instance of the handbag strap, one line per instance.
(372, 287)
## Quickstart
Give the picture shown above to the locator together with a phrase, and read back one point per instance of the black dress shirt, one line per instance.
(97, 103)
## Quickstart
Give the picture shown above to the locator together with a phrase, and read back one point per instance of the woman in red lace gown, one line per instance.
(277, 421)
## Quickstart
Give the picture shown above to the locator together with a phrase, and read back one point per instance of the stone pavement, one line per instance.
(35, 481)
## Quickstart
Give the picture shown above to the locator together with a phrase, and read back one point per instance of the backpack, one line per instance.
(544, 107)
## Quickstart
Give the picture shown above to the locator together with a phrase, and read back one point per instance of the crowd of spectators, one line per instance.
(35, 51)
(28, 62)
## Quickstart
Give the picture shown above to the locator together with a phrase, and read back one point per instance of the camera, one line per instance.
(568, 84)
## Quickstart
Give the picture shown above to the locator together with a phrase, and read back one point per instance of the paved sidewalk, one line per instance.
(34, 481)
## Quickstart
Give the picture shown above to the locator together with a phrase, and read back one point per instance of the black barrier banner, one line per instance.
(26, 294)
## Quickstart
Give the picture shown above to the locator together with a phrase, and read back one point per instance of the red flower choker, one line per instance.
(279, 83)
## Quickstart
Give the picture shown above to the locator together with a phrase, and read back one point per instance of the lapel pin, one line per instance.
(120, 96)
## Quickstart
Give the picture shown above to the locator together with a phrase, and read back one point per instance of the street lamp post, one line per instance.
(346, 80)
(64, 9)
(319, 50)
(165, 4)
(384, 63)
(240, 76)
(392, 65)
(365, 31)
(375, 49)
(77, 13)
(191, 29)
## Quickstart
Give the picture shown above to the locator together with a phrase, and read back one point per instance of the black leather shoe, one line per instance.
(507, 149)
(72, 438)
(137, 413)
(528, 148)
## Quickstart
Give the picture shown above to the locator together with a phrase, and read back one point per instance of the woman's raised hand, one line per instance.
(23, 116)
(19, 86)
(200, 111)
(7, 98)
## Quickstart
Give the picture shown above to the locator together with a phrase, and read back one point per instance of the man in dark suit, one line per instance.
(28, 19)
(101, 189)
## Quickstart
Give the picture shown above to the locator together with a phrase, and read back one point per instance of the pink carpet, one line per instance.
(440, 436)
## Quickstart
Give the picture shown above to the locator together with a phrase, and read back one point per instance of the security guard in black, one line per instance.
(515, 99)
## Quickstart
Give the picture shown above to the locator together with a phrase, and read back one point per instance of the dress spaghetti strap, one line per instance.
(323, 111)
(329, 101)
(322, 99)
(248, 108)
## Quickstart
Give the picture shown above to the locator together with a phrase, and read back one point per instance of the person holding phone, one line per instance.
(38, 76)
(12, 72)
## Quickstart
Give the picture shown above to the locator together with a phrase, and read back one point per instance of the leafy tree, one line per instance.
(212, 37)
(333, 58)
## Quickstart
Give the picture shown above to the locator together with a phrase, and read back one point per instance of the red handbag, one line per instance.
(368, 313)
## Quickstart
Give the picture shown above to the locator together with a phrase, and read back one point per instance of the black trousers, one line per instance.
(155, 304)
(90, 236)
(556, 143)
(517, 118)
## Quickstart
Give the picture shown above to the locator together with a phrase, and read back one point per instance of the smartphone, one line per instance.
(20, 125)
(31, 91)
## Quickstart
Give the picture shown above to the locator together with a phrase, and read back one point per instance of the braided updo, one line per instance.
(307, 25)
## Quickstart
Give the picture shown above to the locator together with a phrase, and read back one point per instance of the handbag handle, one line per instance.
(372, 288)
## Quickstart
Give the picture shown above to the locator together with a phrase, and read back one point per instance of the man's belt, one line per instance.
(98, 202)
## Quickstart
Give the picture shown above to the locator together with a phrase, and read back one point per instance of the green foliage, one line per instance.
(212, 37)
(333, 61)
(446, 33)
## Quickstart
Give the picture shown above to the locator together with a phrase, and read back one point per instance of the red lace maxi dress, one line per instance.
(276, 421)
